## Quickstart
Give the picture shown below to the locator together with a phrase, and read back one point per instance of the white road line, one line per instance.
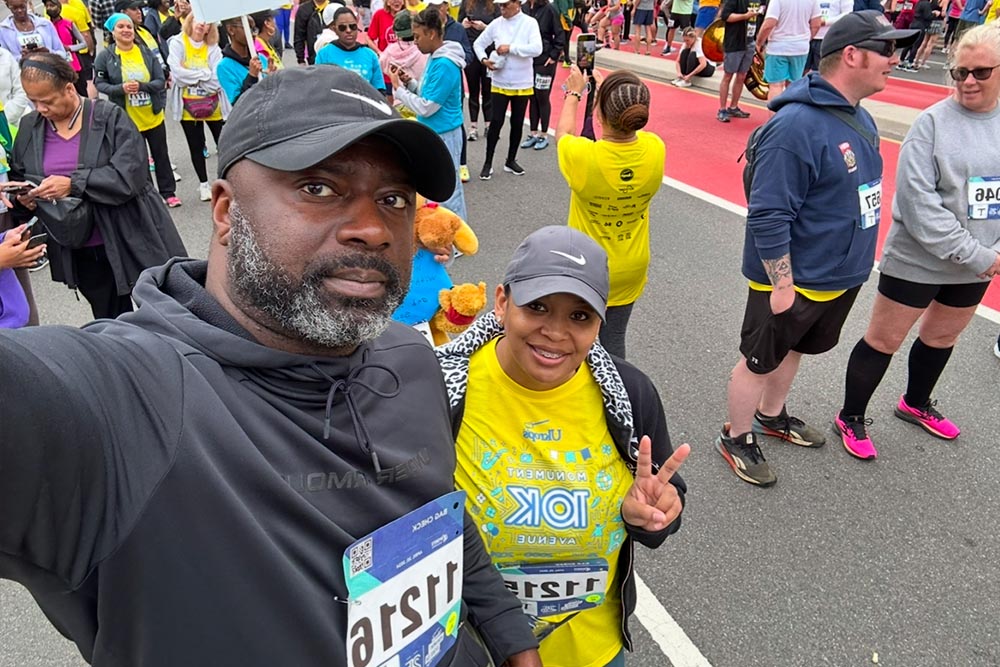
(985, 312)
(669, 636)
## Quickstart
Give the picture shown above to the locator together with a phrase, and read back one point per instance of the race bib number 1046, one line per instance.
(404, 583)
(984, 198)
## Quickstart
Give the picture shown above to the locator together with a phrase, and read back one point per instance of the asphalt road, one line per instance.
(840, 560)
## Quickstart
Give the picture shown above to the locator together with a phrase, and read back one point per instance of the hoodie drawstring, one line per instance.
(345, 385)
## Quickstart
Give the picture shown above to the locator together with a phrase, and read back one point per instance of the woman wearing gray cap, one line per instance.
(556, 444)
(942, 250)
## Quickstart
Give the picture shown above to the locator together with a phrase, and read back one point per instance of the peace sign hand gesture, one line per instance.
(653, 502)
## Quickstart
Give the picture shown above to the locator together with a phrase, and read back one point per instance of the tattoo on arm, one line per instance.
(779, 271)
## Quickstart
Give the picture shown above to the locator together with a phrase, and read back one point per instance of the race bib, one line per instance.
(26, 39)
(140, 99)
(543, 82)
(870, 199)
(404, 583)
(197, 91)
(552, 589)
(984, 198)
(824, 10)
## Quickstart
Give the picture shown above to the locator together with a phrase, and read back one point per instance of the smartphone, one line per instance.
(586, 47)
(17, 188)
(37, 240)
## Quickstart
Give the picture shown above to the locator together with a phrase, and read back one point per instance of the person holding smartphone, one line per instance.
(23, 32)
(624, 166)
(16, 252)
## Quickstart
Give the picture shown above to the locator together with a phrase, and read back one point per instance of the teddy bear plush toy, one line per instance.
(433, 299)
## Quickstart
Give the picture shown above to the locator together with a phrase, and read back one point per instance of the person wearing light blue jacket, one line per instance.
(437, 100)
(23, 32)
(237, 71)
(348, 53)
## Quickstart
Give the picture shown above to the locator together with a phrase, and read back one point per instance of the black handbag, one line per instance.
(70, 220)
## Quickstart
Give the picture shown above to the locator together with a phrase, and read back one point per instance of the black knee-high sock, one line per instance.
(865, 370)
(925, 366)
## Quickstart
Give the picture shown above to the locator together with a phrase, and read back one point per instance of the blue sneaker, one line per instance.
(542, 143)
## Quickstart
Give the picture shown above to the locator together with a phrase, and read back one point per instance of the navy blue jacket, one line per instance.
(867, 4)
(454, 32)
(804, 196)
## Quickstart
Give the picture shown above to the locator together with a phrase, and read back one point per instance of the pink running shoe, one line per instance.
(928, 418)
(854, 434)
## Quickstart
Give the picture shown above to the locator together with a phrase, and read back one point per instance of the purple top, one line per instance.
(13, 304)
(59, 158)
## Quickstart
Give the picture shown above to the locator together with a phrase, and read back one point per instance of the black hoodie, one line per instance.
(174, 493)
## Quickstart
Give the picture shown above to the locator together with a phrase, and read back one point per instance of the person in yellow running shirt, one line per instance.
(612, 183)
(132, 77)
(556, 442)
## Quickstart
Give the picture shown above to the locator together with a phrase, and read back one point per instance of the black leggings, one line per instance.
(194, 132)
(479, 83)
(541, 108)
(96, 281)
(909, 54)
(568, 34)
(689, 62)
(518, 106)
(949, 32)
(156, 139)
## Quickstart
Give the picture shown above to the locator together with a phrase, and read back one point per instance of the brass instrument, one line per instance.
(711, 45)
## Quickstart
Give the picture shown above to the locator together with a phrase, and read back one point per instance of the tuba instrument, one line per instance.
(711, 45)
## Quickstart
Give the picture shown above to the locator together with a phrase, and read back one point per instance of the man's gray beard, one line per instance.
(304, 308)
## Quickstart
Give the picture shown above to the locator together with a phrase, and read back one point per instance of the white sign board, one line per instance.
(213, 11)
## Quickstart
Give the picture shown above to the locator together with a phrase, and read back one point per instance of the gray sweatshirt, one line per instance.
(933, 239)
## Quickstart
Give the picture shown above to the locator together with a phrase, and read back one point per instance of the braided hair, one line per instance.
(624, 102)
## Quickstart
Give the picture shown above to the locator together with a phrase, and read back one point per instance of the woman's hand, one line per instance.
(576, 81)
(27, 201)
(14, 252)
(394, 77)
(255, 67)
(653, 502)
(130, 87)
(52, 187)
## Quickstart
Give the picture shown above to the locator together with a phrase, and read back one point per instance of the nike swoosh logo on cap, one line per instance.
(581, 260)
(378, 104)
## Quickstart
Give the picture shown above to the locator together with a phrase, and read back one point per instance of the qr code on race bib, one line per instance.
(361, 557)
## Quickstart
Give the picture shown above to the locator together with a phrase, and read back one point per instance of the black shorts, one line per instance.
(682, 21)
(920, 295)
(808, 327)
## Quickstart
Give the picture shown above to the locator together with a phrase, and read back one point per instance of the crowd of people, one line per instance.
(297, 431)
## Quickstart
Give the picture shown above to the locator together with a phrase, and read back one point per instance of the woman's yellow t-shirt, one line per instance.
(612, 186)
(545, 485)
(139, 106)
(196, 57)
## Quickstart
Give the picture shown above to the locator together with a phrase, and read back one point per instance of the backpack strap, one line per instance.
(851, 121)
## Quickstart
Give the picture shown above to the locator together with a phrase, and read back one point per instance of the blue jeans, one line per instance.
(453, 139)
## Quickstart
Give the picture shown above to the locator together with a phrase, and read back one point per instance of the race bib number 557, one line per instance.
(404, 584)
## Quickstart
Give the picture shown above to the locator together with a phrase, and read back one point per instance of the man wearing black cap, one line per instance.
(814, 208)
(255, 468)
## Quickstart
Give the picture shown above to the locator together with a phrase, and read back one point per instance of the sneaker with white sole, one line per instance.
(996, 348)
(853, 432)
(530, 141)
(788, 428)
(928, 418)
(463, 173)
(512, 167)
(743, 455)
(486, 173)
(205, 192)
(681, 83)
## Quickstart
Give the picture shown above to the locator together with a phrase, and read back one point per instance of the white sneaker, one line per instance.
(681, 83)
(205, 192)
(996, 348)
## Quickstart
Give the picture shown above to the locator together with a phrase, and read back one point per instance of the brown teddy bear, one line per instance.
(432, 297)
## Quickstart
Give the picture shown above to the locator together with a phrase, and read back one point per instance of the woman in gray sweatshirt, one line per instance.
(943, 247)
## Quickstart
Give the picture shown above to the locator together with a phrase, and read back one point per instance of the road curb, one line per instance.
(893, 121)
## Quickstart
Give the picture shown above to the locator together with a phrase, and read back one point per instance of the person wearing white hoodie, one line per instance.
(517, 40)
(437, 99)
(15, 102)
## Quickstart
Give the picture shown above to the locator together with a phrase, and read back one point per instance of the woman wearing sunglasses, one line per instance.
(349, 53)
(943, 247)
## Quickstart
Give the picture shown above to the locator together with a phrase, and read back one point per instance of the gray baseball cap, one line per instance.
(300, 116)
(556, 260)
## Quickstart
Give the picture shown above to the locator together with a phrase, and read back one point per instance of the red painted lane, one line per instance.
(702, 152)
